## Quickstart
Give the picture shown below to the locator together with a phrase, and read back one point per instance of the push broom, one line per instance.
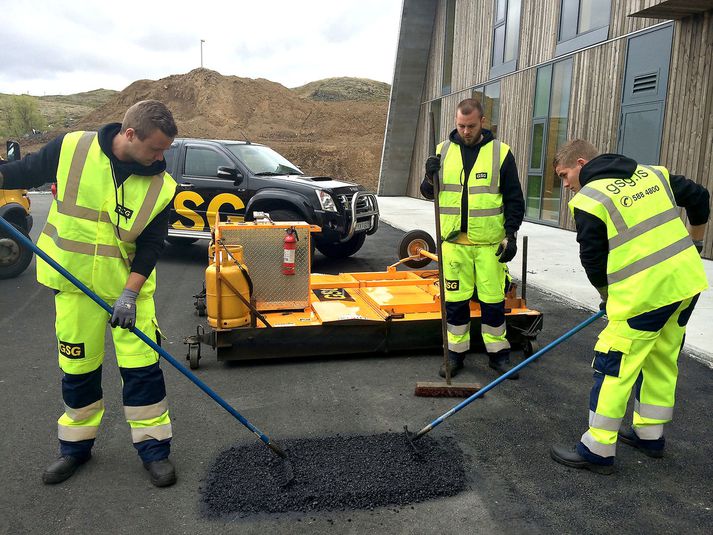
(439, 388)
(413, 437)
(5, 225)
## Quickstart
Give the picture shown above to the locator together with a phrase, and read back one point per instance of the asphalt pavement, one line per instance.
(513, 486)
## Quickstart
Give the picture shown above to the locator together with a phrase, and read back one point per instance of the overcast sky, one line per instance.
(54, 47)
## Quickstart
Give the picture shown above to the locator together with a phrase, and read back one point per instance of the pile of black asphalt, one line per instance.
(332, 473)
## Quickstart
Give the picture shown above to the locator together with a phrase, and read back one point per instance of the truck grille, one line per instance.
(366, 204)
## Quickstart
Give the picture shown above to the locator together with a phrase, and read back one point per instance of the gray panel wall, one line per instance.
(417, 20)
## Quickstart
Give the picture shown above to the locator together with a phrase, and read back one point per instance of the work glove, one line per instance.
(433, 165)
(507, 249)
(124, 314)
(699, 246)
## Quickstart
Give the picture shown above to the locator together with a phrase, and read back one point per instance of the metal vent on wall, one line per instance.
(645, 83)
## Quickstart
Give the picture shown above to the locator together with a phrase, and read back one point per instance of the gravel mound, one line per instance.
(332, 473)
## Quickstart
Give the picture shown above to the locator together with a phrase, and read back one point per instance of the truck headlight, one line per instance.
(326, 201)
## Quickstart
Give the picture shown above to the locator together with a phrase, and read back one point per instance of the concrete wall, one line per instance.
(417, 21)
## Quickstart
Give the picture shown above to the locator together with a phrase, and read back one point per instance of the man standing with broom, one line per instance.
(481, 208)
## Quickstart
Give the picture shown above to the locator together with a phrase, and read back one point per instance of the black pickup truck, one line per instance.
(239, 178)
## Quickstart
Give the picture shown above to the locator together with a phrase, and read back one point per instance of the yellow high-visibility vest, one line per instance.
(85, 233)
(485, 201)
(652, 261)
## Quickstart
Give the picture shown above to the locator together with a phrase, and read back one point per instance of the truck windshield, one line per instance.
(263, 160)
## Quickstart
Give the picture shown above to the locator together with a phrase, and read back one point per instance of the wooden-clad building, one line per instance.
(634, 77)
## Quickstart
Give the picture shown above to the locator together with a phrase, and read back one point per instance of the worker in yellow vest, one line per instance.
(481, 209)
(646, 265)
(107, 227)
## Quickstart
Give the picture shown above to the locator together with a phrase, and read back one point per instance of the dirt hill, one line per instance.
(340, 137)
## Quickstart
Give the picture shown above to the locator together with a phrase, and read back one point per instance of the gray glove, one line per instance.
(124, 314)
(699, 246)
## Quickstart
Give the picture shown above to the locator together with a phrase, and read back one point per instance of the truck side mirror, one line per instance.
(230, 173)
(13, 151)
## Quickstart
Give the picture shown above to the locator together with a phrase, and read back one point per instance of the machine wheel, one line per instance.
(412, 242)
(193, 357)
(530, 347)
(181, 242)
(200, 306)
(14, 257)
(342, 249)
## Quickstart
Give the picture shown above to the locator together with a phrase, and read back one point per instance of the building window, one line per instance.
(549, 131)
(448, 47)
(582, 23)
(506, 37)
(489, 97)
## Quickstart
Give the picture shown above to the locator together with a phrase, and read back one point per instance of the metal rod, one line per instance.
(153, 345)
(439, 251)
(503, 377)
(523, 292)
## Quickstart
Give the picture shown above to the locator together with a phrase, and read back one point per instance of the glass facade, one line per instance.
(489, 97)
(447, 72)
(506, 37)
(549, 131)
(582, 23)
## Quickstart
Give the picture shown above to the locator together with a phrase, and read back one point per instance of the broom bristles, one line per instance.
(445, 390)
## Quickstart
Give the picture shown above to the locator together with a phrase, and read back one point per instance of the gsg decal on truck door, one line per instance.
(187, 204)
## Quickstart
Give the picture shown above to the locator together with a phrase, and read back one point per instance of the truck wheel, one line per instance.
(181, 242)
(342, 249)
(14, 257)
(412, 242)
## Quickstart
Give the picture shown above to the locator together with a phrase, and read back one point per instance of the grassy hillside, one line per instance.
(338, 89)
(58, 111)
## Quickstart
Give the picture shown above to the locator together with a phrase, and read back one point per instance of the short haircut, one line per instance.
(148, 115)
(568, 154)
(467, 106)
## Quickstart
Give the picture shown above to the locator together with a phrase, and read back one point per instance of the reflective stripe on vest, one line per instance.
(68, 205)
(84, 219)
(485, 209)
(626, 234)
(651, 261)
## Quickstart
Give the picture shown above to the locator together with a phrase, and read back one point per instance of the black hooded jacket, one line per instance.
(592, 231)
(40, 167)
(513, 201)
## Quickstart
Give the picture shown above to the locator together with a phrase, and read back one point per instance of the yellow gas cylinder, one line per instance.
(233, 312)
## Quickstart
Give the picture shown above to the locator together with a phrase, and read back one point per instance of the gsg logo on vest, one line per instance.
(452, 285)
(71, 351)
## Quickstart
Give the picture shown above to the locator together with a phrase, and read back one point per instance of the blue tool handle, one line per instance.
(504, 376)
(99, 301)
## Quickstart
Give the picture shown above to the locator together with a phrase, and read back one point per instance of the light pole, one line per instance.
(202, 41)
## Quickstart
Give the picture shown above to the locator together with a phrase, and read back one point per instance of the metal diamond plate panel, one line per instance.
(263, 255)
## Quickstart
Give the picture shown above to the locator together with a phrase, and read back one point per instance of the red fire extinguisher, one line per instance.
(290, 244)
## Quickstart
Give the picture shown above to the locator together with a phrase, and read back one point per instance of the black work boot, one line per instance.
(162, 472)
(62, 469)
(570, 457)
(501, 364)
(652, 448)
(455, 362)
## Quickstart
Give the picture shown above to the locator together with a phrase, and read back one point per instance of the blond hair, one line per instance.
(568, 154)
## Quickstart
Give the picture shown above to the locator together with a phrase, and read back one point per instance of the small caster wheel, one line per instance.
(194, 356)
(531, 347)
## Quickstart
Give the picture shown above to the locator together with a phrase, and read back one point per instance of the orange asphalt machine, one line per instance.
(262, 300)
